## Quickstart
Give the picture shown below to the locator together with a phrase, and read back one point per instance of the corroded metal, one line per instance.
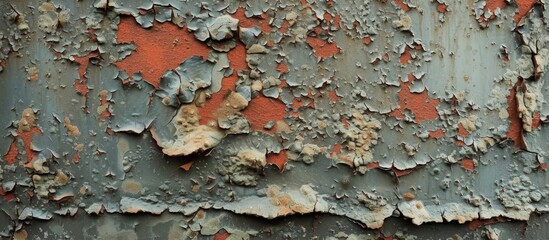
(225, 119)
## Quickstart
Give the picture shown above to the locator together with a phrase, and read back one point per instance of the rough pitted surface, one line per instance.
(225, 119)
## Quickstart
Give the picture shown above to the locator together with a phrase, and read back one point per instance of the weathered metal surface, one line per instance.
(285, 119)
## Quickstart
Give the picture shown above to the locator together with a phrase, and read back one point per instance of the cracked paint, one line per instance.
(225, 120)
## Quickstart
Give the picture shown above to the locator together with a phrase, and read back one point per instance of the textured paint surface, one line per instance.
(274, 119)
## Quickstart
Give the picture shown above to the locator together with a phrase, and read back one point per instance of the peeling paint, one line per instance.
(226, 119)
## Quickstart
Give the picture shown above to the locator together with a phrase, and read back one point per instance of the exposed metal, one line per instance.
(286, 119)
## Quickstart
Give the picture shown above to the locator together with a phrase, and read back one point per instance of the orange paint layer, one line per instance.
(436, 134)
(406, 56)
(468, 164)
(462, 131)
(27, 140)
(442, 8)
(278, 159)
(208, 111)
(420, 104)
(492, 5)
(333, 96)
(337, 22)
(75, 158)
(237, 61)
(372, 165)
(400, 173)
(162, 47)
(402, 5)
(285, 26)
(536, 121)
(367, 40)
(7, 196)
(476, 223)
(80, 84)
(337, 148)
(524, 7)
(322, 48)
(345, 122)
(262, 110)
(11, 156)
(109, 131)
(221, 235)
(245, 22)
(237, 58)
(543, 166)
(515, 123)
(187, 166)
(282, 68)
(106, 113)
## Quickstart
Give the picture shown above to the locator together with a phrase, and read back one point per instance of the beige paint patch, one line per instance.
(131, 186)
(72, 130)
(27, 121)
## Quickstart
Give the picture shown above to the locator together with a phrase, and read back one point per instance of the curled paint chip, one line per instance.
(222, 27)
(189, 136)
(179, 86)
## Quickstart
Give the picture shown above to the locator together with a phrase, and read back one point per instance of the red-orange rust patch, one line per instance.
(396, 172)
(402, 5)
(109, 131)
(468, 164)
(7, 196)
(524, 7)
(400, 173)
(285, 26)
(282, 68)
(249, 22)
(162, 47)
(337, 22)
(237, 61)
(543, 166)
(11, 156)
(27, 140)
(80, 84)
(187, 166)
(322, 48)
(337, 148)
(442, 8)
(344, 122)
(515, 123)
(373, 165)
(436, 134)
(420, 104)
(536, 121)
(75, 158)
(476, 223)
(462, 131)
(492, 5)
(367, 40)
(208, 111)
(298, 103)
(262, 110)
(106, 113)
(386, 57)
(406, 56)
(221, 235)
(278, 159)
(333, 96)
